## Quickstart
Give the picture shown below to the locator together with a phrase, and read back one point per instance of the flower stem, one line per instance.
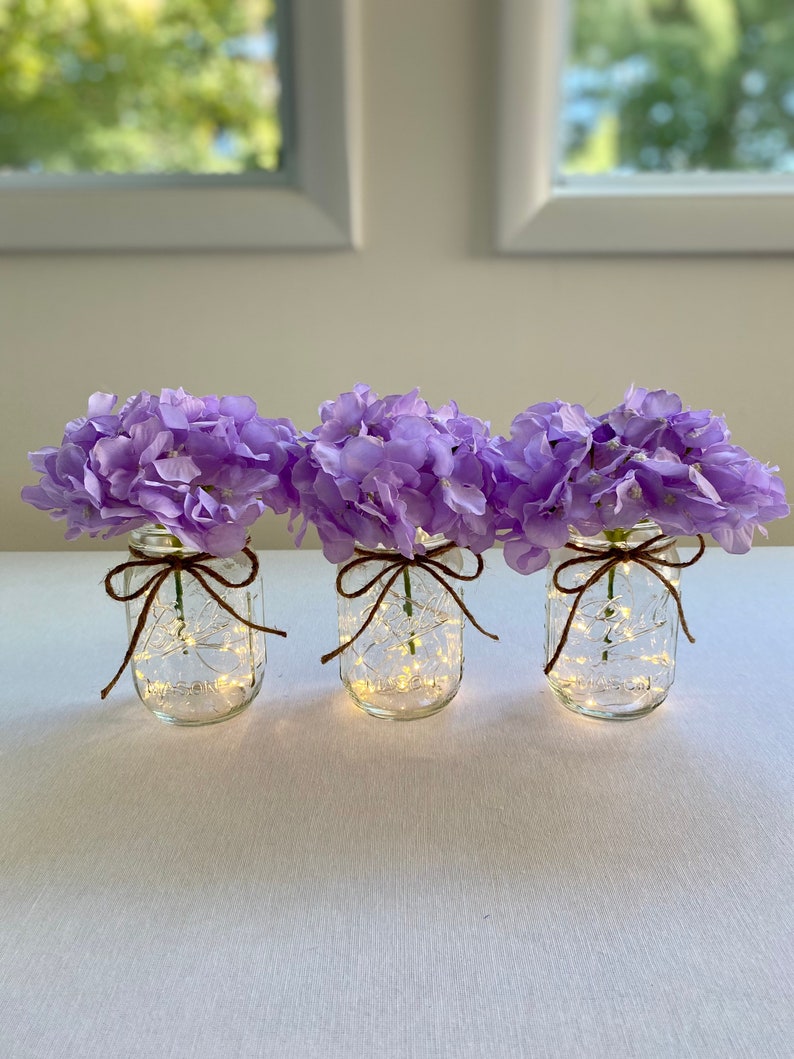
(408, 606)
(609, 612)
(613, 536)
(179, 605)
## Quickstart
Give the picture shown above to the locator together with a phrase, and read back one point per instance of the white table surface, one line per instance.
(502, 879)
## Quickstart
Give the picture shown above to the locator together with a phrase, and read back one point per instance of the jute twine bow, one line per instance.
(198, 568)
(390, 566)
(648, 554)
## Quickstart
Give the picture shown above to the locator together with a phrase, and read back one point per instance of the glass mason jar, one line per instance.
(408, 662)
(618, 661)
(194, 662)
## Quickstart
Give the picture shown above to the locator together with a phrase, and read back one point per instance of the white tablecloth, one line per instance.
(502, 879)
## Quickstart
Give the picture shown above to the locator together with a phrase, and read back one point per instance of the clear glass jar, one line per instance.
(618, 661)
(408, 662)
(194, 662)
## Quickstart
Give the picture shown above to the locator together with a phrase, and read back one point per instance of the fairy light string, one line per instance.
(196, 566)
(391, 566)
(649, 554)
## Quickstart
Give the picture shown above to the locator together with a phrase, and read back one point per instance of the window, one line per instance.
(659, 126)
(135, 87)
(678, 87)
(163, 124)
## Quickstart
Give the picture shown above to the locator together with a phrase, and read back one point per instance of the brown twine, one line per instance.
(647, 554)
(198, 568)
(392, 565)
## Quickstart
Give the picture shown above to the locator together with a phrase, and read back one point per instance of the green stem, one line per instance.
(609, 612)
(613, 536)
(179, 605)
(408, 606)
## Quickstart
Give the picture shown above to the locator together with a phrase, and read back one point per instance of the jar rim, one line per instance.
(427, 540)
(643, 530)
(154, 539)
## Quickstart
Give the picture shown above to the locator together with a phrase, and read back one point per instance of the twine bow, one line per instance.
(391, 566)
(198, 567)
(648, 554)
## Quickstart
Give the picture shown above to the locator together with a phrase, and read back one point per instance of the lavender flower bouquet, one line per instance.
(395, 488)
(625, 485)
(205, 468)
(390, 472)
(186, 476)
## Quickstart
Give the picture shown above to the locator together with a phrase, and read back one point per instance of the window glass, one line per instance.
(678, 86)
(139, 86)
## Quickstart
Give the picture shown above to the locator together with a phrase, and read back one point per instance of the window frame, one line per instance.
(715, 214)
(312, 203)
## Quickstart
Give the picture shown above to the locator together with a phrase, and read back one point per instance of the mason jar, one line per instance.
(618, 659)
(408, 661)
(194, 662)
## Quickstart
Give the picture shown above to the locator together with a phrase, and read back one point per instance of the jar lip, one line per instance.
(153, 539)
(431, 540)
(640, 531)
(427, 541)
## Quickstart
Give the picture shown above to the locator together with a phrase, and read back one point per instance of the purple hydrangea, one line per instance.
(382, 471)
(548, 445)
(648, 458)
(205, 468)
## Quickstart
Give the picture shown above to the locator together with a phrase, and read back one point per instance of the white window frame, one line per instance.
(730, 213)
(48, 213)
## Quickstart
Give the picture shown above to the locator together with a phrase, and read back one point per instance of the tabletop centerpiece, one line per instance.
(399, 495)
(185, 477)
(600, 502)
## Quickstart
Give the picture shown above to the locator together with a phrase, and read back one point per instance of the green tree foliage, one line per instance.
(682, 85)
(142, 86)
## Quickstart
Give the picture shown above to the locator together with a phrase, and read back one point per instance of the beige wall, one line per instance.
(424, 303)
